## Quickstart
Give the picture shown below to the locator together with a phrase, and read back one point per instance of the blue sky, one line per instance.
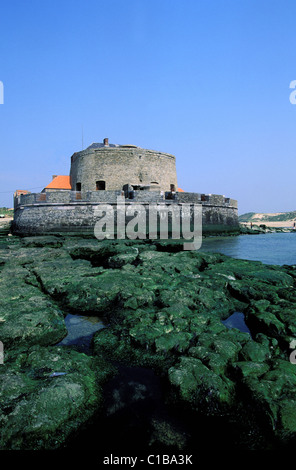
(205, 80)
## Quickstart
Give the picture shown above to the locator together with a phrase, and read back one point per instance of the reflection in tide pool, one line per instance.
(269, 248)
(237, 320)
(80, 331)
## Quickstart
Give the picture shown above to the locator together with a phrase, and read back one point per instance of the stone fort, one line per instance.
(99, 175)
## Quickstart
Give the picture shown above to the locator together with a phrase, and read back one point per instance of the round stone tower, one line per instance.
(104, 166)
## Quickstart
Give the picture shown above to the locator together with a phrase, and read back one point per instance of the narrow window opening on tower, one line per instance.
(100, 185)
(172, 187)
(78, 186)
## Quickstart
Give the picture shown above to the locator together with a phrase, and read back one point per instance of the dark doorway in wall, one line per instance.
(100, 185)
(172, 187)
(78, 186)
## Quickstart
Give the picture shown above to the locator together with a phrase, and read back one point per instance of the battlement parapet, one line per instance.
(145, 196)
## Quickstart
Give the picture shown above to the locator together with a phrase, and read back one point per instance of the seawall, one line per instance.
(74, 212)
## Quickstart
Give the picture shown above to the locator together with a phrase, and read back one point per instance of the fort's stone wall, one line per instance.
(119, 166)
(56, 212)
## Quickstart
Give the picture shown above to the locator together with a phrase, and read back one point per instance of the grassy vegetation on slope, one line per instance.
(282, 217)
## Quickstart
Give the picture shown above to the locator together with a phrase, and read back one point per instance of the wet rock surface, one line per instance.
(46, 394)
(163, 308)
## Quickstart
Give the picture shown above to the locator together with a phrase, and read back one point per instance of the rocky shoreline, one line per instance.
(163, 308)
(262, 228)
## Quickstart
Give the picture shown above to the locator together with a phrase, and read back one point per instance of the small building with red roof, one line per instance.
(60, 183)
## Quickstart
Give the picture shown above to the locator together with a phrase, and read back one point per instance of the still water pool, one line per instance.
(81, 330)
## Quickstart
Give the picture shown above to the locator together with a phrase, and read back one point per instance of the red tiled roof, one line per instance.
(181, 190)
(59, 182)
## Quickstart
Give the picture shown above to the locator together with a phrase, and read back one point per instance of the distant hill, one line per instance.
(246, 217)
(278, 218)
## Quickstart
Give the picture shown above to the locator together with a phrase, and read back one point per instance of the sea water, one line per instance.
(269, 248)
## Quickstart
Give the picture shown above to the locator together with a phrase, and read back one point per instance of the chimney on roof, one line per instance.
(54, 176)
(106, 142)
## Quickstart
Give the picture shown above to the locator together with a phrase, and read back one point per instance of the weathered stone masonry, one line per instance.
(61, 212)
(115, 167)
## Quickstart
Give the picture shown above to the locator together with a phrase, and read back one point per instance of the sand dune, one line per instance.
(277, 224)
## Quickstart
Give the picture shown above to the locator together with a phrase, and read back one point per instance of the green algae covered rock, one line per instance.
(287, 419)
(27, 315)
(271, 388)
(45, 395)
(163, 309)
(199, 385)
(250, 369)
(42, 241)
(264, 319)
(261, 350)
